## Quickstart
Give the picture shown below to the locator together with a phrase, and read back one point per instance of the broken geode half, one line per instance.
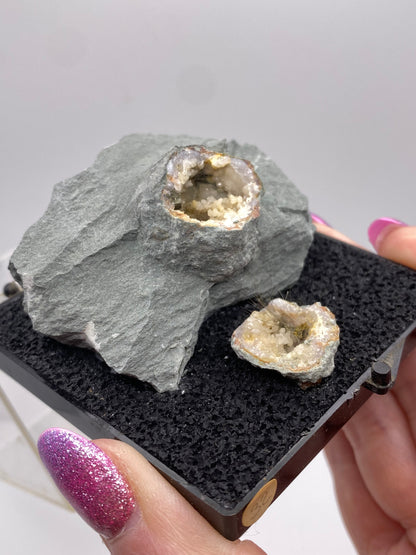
(298, 341)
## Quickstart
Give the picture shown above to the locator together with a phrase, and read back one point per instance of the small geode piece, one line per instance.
(136, 251)
(298, 341)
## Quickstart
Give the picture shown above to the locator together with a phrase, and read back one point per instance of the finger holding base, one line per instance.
(123, 498)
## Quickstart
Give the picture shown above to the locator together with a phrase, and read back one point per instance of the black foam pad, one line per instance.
(230, 423)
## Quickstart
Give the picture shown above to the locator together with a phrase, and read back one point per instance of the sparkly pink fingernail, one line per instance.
(377, 228)
(88, 479)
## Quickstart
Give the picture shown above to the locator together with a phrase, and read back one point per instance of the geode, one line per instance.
(135, 252)
(300, 342)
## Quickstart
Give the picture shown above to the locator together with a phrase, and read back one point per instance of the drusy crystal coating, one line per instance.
(298, 341)
(211, 189)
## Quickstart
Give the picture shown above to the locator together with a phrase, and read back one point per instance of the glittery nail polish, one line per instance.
(318, 220)
(377, 228)
(88, 479)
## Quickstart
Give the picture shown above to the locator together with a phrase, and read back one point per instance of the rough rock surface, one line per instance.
(107, 267)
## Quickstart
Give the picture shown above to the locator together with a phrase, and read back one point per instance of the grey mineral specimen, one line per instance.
(135, 252)
(300, 342)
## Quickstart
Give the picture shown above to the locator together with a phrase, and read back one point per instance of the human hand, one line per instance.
(373, 457)
(119, 493)
(155, 519)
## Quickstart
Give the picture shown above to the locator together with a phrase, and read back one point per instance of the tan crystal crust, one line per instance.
(298, 341)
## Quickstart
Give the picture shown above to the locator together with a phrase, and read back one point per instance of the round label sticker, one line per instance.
(260, 502)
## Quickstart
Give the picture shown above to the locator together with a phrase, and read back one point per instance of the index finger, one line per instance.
(394, 240)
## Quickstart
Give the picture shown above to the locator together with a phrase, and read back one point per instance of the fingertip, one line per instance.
(88, 479)
(394, 240)
(378, 229)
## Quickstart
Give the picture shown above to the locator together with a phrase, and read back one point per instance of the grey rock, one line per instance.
(108, 267)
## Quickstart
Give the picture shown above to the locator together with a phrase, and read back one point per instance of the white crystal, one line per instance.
(211, 189)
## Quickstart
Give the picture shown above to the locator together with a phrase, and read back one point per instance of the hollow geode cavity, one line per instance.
(298, 341)
(135, 252)
(211, 189)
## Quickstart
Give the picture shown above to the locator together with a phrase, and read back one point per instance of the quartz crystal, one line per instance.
(211, 189)
(298, 341)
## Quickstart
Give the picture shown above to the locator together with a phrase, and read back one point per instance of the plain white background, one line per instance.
(326, 88)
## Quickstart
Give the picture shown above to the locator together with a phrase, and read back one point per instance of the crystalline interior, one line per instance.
(298, 341)
(277, 333)
(211, 189)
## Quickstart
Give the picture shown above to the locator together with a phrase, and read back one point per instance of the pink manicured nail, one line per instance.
(377, 228)
(88, 479)
(318, 220)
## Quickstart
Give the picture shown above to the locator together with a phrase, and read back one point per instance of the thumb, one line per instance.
(395, 240)
(123, 497)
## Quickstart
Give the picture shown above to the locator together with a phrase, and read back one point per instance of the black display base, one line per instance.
(233, 437)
